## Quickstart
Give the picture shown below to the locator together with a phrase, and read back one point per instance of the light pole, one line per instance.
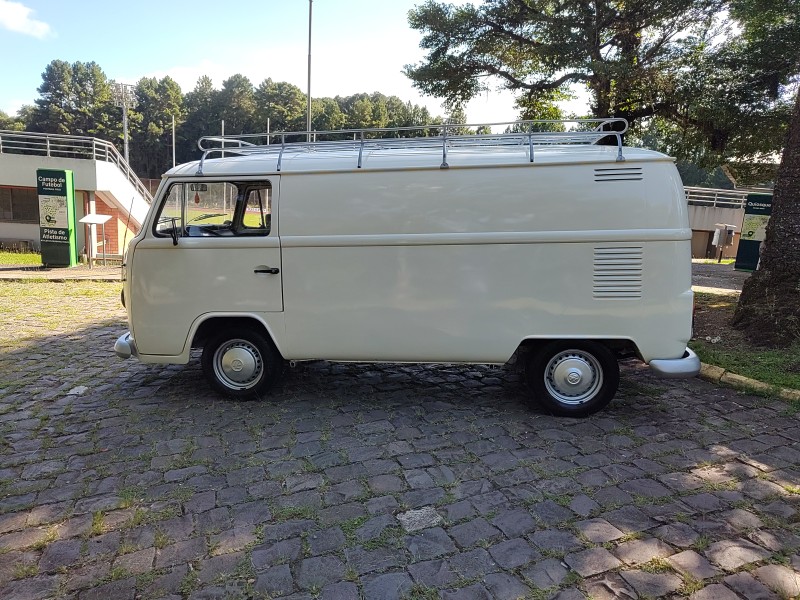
(124, 96)
(308, 110)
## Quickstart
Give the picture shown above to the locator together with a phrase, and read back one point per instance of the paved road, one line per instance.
(121, 481)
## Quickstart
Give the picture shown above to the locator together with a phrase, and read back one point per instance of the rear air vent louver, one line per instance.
(617, 272)
(618, 174)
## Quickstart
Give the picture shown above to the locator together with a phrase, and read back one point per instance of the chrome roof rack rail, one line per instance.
(444, 136)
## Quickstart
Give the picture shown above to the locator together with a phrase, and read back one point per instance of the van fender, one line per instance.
(272, 325)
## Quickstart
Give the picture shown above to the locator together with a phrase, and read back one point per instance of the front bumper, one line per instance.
(673, 368)
(125, 347)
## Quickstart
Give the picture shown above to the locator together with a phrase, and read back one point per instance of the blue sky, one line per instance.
(357, 45)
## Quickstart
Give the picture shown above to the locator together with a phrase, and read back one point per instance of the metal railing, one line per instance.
(69, 146)
(716, 198)
(444, 137)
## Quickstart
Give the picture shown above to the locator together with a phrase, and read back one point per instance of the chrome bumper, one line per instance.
(673, 368)
(125, 347)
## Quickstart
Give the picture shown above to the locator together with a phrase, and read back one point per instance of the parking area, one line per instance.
(122, 481)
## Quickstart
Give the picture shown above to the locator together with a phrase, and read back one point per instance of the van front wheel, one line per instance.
(573, 378)
(241, 363)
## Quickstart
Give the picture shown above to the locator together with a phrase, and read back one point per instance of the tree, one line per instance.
(52, 112)
(237, 105)
(769, 307)
(202, 118)
(284, 104)
(158, 102)
(628, 54)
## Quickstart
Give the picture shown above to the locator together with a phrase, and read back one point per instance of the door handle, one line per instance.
(268, 270)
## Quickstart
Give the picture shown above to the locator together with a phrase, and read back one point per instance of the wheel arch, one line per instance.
(207, 326)
(621, 347)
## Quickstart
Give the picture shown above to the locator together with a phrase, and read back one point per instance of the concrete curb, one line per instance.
(716, 374)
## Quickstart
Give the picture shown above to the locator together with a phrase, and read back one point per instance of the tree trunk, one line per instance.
(769, 308)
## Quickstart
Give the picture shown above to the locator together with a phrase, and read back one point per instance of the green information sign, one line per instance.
(57, 231)
(754, 230)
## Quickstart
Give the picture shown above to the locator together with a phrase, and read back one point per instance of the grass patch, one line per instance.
(9, 258)
(731, 351)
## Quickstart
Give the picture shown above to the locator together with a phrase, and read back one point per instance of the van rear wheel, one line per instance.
(573, 378)
(241, 363)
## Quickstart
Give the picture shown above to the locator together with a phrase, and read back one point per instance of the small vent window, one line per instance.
(618, 174)
(617, 272)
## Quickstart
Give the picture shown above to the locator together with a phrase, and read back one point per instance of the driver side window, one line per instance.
(215, 209)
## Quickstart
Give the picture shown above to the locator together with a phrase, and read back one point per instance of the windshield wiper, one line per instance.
(206, 216)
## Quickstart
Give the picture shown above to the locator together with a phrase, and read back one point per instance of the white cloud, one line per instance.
(17, 17)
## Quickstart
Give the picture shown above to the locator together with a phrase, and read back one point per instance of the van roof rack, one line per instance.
(546, 132)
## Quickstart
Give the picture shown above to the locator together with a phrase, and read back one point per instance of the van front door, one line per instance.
(212, 248)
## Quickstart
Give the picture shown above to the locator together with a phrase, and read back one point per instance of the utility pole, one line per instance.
(124, 96)
(308, 111)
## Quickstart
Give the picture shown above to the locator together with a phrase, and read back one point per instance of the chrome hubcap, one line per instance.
(238, 364)
(573, 377)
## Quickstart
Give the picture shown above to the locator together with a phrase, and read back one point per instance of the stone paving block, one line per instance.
(61, 553)
(363, 560)
(276, 581)
(747, 586)
(647, 488)
(629, 519)
(319, 572)
(223, 566)
(340, 591)
(732, 554)
(232, 540)
(475, 591)
(691, 563)
(391, 586)
(381, 505)
(513, 553)
(429, 543)
(637, 552)
(503, 586)
(677, 534)
(422, 518)
(598, 531)
(514, 523)
(470, 533)
(546, 573)
(652, 585)
(610, 587)
(386, 484)
(137, 562)
(592, 561)
(274, 553)
(432, 573)
(553, 540)
(714, 591)
(474, 563)
(180, 553)
(780, 579)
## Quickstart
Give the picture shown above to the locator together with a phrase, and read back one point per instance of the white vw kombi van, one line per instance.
(370, 246)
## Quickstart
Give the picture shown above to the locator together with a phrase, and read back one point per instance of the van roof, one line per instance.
(307, 158)
(430, 146)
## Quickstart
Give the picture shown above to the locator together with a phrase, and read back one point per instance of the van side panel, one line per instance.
(461, 265)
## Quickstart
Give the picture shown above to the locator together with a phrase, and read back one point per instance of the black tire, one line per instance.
(241, 363)
(573, 378)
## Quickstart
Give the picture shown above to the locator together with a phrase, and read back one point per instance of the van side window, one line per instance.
(215, 209)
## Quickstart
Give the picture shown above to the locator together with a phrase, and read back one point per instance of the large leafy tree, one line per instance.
(158, 102)
(202, 118)
(284, 104)
(237, 105)
(627, 53)
(769, 307)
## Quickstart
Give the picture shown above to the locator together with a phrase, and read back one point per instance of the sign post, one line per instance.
(754, 231)
(57, 231)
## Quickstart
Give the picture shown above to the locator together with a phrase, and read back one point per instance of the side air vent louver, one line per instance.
(617, 272)
(618, 174)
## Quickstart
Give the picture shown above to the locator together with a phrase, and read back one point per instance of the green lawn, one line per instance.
(732, 351)
(27, 259)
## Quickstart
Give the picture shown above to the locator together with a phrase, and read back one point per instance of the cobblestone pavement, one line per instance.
(122, 481)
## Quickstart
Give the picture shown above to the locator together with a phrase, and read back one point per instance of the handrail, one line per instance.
(523, 133)
(716, 198)
(69, 146)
